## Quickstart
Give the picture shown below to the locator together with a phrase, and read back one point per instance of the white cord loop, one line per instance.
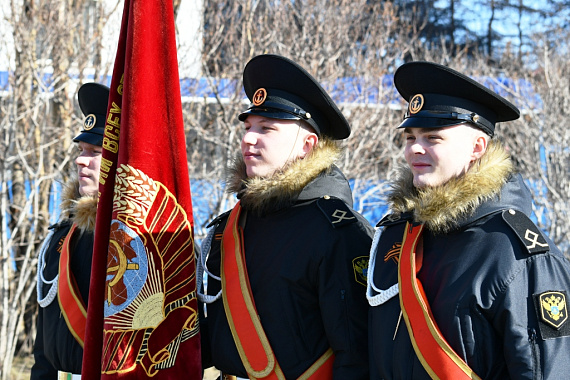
(201, 266)
(48, 299)
(382, 295)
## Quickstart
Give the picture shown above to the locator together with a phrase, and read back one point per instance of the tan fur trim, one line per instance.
(69, 196)
(82, 210)
(85, 213)
(259, 194)
(442, 207)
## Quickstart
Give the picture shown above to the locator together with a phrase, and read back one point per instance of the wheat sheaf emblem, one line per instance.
(134, 193)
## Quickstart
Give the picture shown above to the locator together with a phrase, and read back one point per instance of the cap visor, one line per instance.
(89, 138)
(428, 122)
(272, 114)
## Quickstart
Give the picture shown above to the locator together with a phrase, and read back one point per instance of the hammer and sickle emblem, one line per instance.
(89, 122)
(118, 271)
(340, 215)
(416, 104)
(259, 96)
(533, 238)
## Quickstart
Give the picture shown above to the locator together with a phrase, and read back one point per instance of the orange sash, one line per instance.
(70, 301)
(437, 357)
(252, 344)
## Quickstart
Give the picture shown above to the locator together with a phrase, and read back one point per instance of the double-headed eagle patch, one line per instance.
(552, 312)
(553, 308)
(360, 266)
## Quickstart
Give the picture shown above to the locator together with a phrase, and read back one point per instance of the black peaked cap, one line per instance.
(439, 96)
(281, 89)
(93, 99)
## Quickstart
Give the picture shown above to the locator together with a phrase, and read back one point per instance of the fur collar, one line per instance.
(263, 195)
(442, 208)
(78, 209)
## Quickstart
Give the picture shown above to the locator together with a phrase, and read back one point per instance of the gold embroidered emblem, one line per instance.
(340, 215)
(259, 96)
(89, 122)
(150, 279)
(360, 266)
(394, 253)
(416, 104)
(553, 308)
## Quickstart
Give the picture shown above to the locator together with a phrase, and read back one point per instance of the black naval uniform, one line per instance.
(496, 285)
(306, 250)
(307, 268)
(482, 285)
(55, 347)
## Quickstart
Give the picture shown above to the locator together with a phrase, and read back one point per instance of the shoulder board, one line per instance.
(59, 225)
(529, 234)
(392, 219)
(218, 219)
(336, 211)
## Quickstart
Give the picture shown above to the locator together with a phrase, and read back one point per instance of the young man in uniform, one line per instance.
(287, 266)
(65, 257)
(462, 282)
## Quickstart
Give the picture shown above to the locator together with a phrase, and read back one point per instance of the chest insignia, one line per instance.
(394, 253)
(60, 244)
(360, 266)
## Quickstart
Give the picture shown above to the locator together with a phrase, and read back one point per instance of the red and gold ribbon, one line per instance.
(433, 351)
(252, 344)
(70, 301)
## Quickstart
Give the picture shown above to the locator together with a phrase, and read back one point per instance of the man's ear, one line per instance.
(479, 146)
(311, 141)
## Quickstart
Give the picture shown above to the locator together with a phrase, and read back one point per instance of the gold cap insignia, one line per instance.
(416, 103)
(553, 308)
(259, 96)
(360, 266)
(89, 122)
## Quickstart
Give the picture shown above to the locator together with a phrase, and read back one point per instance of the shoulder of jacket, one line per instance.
(393, 219)
(528, 233)
(336, 211)
(217, 220)
(66, 223)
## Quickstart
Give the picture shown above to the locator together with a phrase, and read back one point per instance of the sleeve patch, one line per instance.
(360, 266)
(552, 313)
(336, 211)
(527, 231)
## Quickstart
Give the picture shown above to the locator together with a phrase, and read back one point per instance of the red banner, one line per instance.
(142, 318)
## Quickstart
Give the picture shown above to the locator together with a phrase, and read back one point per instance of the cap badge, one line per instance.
(259, 96)
(416, 103)
(89, 122)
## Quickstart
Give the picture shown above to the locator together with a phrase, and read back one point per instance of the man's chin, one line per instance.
(421, 182)
(88, 190)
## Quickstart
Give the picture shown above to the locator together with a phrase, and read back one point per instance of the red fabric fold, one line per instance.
(142, 314)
